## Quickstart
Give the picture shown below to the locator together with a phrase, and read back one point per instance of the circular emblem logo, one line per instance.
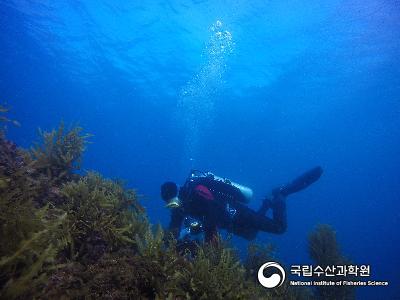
(276, 278)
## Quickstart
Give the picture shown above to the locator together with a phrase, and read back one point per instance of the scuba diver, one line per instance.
(206, 202)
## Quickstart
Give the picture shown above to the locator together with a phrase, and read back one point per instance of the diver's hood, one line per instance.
(173, 203)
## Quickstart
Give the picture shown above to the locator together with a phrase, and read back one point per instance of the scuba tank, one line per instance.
(246, 191)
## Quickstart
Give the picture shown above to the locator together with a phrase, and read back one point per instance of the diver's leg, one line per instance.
(278, 223)
(300, 183)
(266, 204)
(248, 222)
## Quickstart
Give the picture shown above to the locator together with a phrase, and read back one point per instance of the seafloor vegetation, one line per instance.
(65, 235)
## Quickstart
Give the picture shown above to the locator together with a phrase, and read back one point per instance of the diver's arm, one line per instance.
(175, 223)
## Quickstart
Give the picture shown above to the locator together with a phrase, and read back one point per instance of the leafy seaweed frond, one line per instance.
(217, 273)
(28, 263)
(18, 193)
(101, 214)
(59, 153)
(3, 118)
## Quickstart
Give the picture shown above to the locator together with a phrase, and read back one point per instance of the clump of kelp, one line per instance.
(324, 251)
(65, 236)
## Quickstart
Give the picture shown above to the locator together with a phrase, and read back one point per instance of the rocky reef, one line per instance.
(71, 236)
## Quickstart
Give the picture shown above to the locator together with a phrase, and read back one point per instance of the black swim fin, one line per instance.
(300, 183)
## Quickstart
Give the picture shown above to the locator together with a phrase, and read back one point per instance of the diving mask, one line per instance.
(174, 203)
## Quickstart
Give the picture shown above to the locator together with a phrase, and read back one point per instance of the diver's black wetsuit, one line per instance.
(217, 204)
(225, 210)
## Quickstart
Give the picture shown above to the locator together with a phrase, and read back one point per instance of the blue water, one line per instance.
(256, 91)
